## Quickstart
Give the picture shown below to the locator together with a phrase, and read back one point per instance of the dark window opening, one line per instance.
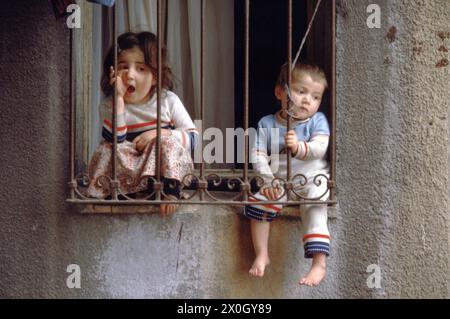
(268, 51)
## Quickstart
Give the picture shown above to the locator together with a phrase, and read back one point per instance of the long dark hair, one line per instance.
(148, 43)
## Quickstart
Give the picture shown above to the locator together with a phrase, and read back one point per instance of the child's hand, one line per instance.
(272, 193)
(144, 139)
(291, 141)
(121, 87)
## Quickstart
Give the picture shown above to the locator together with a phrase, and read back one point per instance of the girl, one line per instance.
(135, 80)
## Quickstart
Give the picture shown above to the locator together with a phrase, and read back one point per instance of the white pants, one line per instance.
(316, 238)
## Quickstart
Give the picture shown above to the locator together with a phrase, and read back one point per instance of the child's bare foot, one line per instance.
(314, 277)
(317, 272)
(259, 265)
(168, 209)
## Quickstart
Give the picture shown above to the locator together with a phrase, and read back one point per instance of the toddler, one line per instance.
(308, 142)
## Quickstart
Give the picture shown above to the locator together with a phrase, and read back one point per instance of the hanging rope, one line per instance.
(306, 34)
(288, 89)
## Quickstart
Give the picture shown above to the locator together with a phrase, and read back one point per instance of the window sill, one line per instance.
(287, 212)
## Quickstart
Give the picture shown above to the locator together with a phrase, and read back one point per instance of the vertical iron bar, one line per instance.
(246, 89)
(333, 100)
(158, 110)
(71, 120)
(114, 112)
(289, 79)
(202, 83)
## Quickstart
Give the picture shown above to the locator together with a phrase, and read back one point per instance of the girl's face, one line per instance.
(136, 76)
(306, 96)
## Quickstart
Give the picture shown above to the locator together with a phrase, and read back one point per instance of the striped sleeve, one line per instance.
(259, 154)
(316, 148)
(317, 145)
(185, 130)
(107, 127)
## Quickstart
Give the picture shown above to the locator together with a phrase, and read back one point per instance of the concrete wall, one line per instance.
(392, 145)
(392, 164)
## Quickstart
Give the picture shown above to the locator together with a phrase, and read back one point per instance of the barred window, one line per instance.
(226, 84)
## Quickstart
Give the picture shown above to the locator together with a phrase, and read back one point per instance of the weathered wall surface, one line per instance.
(393, 162)
(392, 145)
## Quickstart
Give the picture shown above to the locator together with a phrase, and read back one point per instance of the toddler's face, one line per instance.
(136, 76)
(306, 96)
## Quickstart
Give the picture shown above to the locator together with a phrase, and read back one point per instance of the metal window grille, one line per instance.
(202, 194)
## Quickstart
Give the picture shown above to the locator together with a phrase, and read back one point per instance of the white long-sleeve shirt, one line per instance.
(313, 137)
(139, 118)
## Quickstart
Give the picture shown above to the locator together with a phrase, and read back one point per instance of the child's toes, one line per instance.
(173, 208)
(163, 210)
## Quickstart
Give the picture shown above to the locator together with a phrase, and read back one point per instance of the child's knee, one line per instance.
(258, 214)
